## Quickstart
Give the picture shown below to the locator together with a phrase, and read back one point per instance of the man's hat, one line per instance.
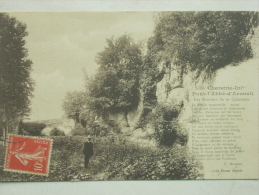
(89, 137)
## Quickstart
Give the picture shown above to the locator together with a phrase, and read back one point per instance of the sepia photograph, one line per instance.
(136, 95)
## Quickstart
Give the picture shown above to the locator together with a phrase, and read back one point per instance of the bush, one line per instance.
(165, 122)
(57, 132)
(161, 164)
(113, 127)
(66, 157)
(165, 133)
(78, 130)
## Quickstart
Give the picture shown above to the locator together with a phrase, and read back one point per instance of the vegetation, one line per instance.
(115, 87)
(203, 41)
(73, 105)
(114, 158)
(160, 164)
(165, 123)
(57, 132)
(16, 85)
(31, 128)
(79, 130)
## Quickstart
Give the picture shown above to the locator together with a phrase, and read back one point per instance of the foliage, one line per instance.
(197, 41)
(16, 85)
(162, 164)
(32, 128)
(167, 130)
(78, 130)
(115, 85)
(77, 106)
(57, 132)
(148, 82)
(73, 104)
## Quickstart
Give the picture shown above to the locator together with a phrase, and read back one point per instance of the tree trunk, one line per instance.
(5, 127)
(5, 133)
(126, 118)
(20, 128)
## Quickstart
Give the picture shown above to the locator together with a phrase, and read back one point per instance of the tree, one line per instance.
(16, 85)
(115, 87)
(74, 104)
(203, 41)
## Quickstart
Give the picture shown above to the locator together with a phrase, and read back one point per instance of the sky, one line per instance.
(62, 44)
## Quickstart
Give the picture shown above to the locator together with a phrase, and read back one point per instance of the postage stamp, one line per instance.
(28, 155)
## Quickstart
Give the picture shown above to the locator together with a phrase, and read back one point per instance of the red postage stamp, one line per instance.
(28, 155)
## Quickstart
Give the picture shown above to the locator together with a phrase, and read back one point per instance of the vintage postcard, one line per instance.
(90, 96)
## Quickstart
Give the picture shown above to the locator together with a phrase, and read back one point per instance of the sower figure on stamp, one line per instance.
(88, 150)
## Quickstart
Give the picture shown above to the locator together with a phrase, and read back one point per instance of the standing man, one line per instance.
(88, 150)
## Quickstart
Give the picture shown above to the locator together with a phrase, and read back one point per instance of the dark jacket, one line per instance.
(88, 149)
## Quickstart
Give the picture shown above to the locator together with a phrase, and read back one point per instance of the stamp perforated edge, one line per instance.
(28, 172)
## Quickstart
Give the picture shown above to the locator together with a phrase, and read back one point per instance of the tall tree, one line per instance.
(115, 87)
(16, 85)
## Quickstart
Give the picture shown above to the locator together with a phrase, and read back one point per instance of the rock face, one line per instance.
(170, 84)
(172, 90)
(242, 75)
(127, 122)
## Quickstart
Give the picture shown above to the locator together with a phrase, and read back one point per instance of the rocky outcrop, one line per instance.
(174, 90)
(129, 121)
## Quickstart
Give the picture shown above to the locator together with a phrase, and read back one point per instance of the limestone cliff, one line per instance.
(175, 91)
(129, 121)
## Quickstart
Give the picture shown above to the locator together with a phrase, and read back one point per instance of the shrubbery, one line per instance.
(165, 122)
(78, 130)
(159, 164)
(57, 132)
